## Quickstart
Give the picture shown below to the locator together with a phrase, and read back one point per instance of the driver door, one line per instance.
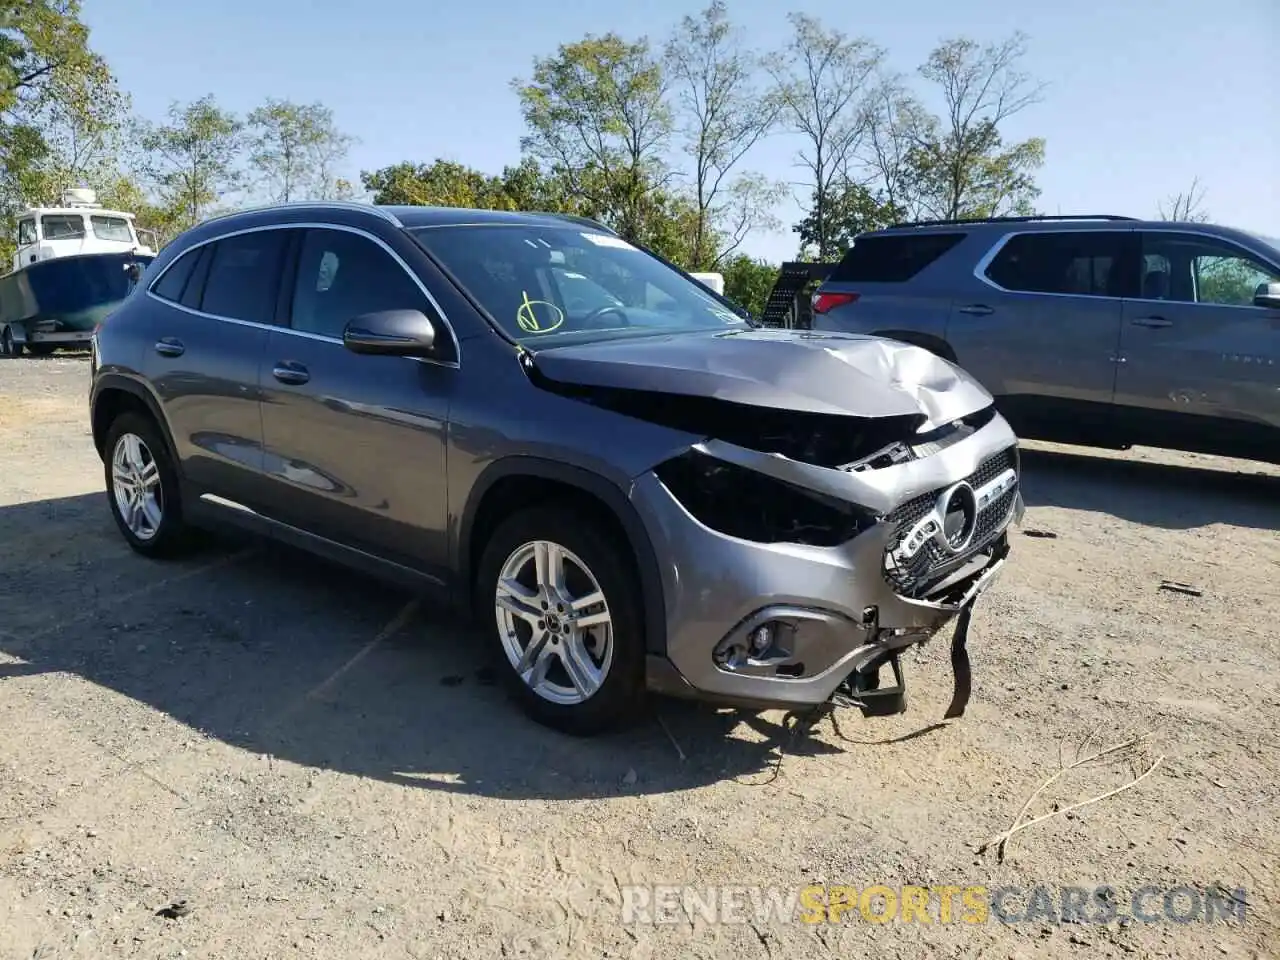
(355, 444)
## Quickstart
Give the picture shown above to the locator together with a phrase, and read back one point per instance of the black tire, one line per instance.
(172, 536)
(621, 694)
(8, 346)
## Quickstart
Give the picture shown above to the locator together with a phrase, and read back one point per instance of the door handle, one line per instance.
(977, 310)
(170, 347)
(1151, 322)
(286, 371)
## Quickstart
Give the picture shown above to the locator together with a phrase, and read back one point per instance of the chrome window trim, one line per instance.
(980, 268)
(262, 228)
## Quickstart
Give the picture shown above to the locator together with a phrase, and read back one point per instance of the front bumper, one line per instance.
(836, 612)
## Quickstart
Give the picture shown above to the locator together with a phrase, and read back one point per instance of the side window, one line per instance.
(342, 275)
(1203, 270)
(174, 281)
(1079, 263)
(892, 258)
(243, 276)
(26, 232)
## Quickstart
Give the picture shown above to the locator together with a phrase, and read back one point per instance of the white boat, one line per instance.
(79, 226)
(75, 264)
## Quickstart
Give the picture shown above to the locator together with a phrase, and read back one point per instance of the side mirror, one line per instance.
(1267, 295)
(133, 271)
(394, 333)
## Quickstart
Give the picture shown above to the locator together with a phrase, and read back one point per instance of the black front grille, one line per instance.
(916, 573)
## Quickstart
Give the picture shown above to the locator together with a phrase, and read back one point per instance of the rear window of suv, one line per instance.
(892, 258)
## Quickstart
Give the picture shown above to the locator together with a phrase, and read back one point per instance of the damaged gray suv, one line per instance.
(629, 484)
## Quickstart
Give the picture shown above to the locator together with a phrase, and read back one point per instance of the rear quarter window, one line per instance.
(895, 258)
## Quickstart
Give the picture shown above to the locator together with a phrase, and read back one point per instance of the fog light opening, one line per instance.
(766, 644)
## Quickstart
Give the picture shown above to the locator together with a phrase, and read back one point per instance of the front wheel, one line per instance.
(560, 602)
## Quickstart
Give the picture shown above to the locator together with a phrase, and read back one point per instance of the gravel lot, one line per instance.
(317, 765)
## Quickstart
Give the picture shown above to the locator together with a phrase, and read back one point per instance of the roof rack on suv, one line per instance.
(376, 209)
(1028, 219)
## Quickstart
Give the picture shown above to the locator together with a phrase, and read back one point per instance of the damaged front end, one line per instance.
(809, 548)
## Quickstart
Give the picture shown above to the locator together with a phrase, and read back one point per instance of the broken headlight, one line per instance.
(741, 503)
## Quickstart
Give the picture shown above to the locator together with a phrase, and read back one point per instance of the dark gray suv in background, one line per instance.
(1096, 330)
(629, 484)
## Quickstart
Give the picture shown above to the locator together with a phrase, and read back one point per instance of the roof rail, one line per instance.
(1029, 219)
(375, 209)
(574, 218)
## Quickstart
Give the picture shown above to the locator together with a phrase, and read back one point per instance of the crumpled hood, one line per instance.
(842, 374)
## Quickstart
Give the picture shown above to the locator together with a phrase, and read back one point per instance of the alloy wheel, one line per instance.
(554, 622)
(135, 483)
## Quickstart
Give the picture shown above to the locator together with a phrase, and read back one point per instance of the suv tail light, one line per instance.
(826, 302)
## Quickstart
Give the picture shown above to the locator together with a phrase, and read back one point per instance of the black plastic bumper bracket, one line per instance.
(960, 668)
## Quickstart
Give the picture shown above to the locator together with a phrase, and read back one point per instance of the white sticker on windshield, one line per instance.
(604, 240)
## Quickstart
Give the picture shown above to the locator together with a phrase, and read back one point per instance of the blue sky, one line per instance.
(1144, 95)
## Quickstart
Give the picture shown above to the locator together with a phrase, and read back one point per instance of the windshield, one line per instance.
(111, 228)
(554, 284)
(1272, 242)
(62, 226)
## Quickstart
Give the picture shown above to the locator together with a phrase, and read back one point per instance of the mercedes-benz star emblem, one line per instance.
(958, 508)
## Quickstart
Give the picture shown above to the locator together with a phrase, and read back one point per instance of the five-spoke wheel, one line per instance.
(563, 603)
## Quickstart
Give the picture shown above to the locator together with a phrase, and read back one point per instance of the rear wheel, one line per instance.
(142, 487)
(8, 346)
(561, 606)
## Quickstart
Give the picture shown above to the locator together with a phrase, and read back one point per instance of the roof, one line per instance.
(1064, 224)
(96, 211)
(402, 216)
(414, 216)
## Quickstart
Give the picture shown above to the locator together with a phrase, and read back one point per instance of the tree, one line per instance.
(960, 166)
(44, 54)
(894, 119)
(294, 148)
(822, 81)
(749, 281)
(596, 116)
(47, 73)
(192, 158)
(851, 210)
(722, 116)
(443, 183)
(1186, 207)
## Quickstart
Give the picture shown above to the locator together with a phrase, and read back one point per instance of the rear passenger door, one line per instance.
(218, 302)
(355, 444)
(1196, 347)
(1039, 325)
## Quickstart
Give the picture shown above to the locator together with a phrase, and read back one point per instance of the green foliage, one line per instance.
(597, 117)
(748, 281)
(851, 211)
(722, 114)
(293, 148)
(959, 165)
(192, 158)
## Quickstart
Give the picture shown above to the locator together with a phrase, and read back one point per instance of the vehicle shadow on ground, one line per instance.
(1163, 495)
(273, 651)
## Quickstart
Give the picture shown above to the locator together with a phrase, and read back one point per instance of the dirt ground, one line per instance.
(319, 767)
